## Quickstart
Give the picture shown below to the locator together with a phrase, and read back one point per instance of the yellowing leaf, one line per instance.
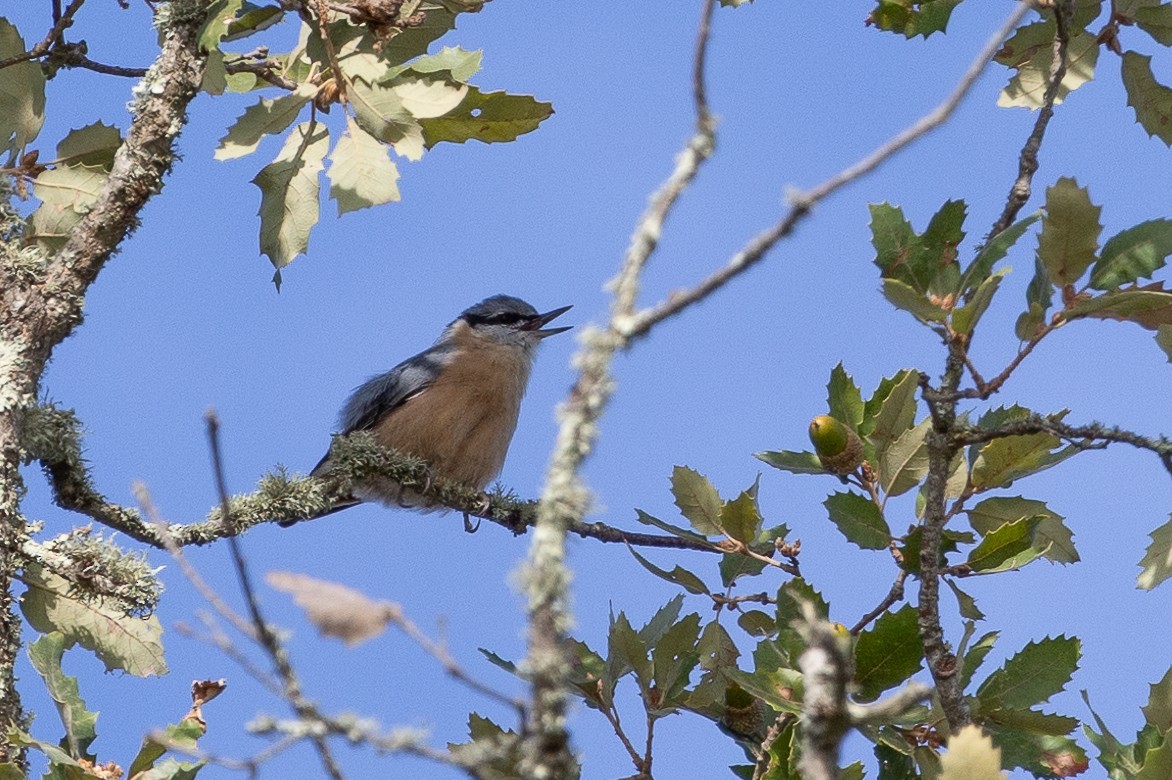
(267, 117)
(971, 756)
(1070, 232)
(132, 644)
(361, 171)
(289, 194)
(429, 98)
(1028, 87)
(22, 94)
(1157, 561)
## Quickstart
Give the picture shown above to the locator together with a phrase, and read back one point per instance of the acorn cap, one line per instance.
(838, 447)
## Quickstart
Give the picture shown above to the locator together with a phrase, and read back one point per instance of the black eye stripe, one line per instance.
(496, 318)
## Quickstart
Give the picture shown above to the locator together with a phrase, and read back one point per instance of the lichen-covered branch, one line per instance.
(41, 296)
(942, 662)
(827, 712)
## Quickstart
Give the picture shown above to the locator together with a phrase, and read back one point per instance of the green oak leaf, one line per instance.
(1164, 340)
(1040, 670)
(1039, 294)
(78, 720)
(22, 95)
(1158, 710)
(793, 462)
(626, 652)
(1151, 100)
(663, 619)
(1002, 461)
(92, 146)
(1156, 21)
(994, 250)
(888, 653)
(1008, 547)
(674, 657)
(488, 117)
(1132, 254)
(379, 110)
(741, 518)
(912, 17)
(1070, 232)
(675, 530)
(184, 734)
(289, 189)
(361, 171)
(905, 462)
(844, 400)
(859, 520)
(966, 604)
(697, 500)
(890, 411)
(1149, 306)
(966, 317)
(678, 575)
(906, 298)
(992, 513)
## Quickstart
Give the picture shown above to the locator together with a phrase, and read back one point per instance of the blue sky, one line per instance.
(186, 318)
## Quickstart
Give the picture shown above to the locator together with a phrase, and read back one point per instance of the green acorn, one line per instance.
(839, 448)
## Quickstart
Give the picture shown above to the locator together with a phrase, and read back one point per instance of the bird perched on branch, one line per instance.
(455, 404)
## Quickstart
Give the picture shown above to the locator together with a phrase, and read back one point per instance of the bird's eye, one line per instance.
(505, 318)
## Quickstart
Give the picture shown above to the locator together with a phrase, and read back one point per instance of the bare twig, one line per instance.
(893, 595)
(110, 70)
(439, 651)
(262, 631)
(209, 594)
(1019, 193)
(802, 202)
(61, 22)
(220, 640)
(546, 750)
(1092, 436)
(263, 69)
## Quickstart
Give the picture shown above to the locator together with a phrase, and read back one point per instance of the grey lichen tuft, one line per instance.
(97, 568)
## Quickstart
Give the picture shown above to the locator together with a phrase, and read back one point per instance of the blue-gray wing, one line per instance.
(382, 394)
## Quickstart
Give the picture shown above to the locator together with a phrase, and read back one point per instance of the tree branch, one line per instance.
(61, 23)
(1027, 166)
(42, 298)
(942, 663)
(640, 323)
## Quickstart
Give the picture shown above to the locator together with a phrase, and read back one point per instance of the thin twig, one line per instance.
(893, 595)
(1019, 193)
(263, 633)
(801, 203)
(167, 542)
(61, 21)
(439, 651)
(612, 715)
(109, 70)
(220, 640)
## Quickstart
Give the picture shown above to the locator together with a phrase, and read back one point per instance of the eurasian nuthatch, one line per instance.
(455, 404)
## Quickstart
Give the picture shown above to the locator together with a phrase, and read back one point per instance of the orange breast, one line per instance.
(462, 424)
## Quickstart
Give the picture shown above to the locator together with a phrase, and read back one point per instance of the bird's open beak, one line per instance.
(544, 319)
